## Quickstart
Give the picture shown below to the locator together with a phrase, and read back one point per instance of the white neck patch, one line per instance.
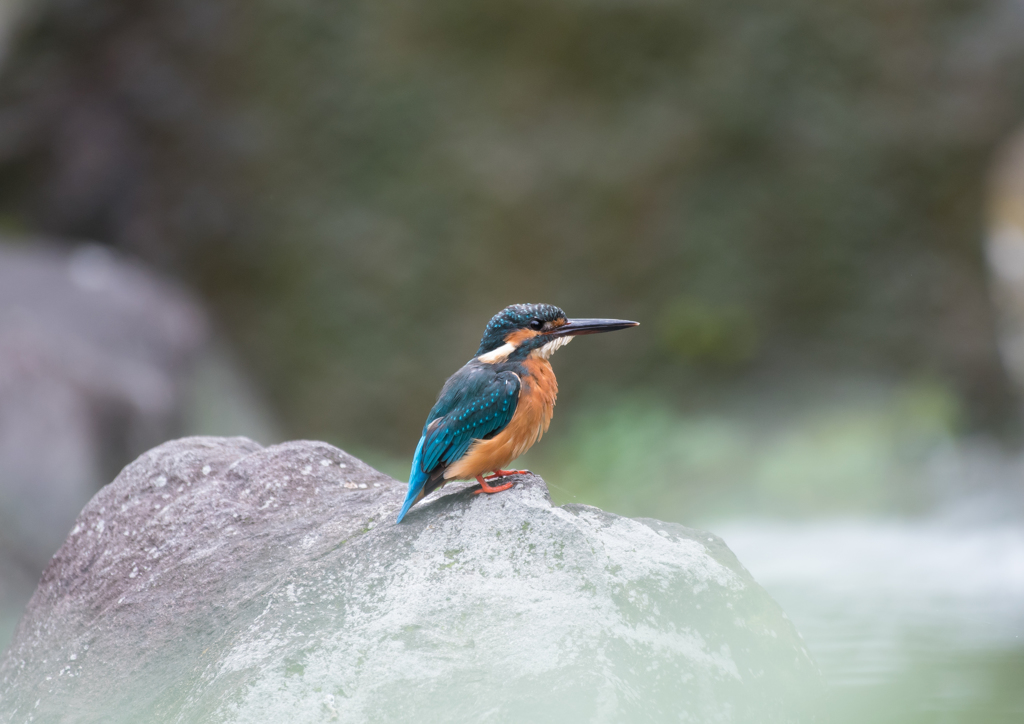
(501, 353)
(549, 349)
(498, 355)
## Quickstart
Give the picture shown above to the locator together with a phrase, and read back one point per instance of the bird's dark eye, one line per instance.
(536, 323)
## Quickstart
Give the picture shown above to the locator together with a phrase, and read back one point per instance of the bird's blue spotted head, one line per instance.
(515, 324)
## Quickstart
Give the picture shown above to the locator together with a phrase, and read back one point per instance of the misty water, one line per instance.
(912, 620)
(895, 545)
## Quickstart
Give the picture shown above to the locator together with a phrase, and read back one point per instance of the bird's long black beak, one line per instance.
(574, 327)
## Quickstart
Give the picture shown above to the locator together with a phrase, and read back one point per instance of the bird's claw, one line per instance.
(485, 488)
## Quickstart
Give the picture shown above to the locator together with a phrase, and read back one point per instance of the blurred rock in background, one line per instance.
(94, 353)
(100, 359)
(1005, 253)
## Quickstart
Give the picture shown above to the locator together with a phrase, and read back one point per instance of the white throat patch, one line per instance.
(549, 349)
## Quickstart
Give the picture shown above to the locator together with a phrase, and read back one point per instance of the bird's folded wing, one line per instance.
(474, 404)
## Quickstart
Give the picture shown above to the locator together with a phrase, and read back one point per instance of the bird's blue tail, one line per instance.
(417, 479)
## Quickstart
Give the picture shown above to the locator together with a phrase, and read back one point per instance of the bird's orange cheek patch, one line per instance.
(519, 336)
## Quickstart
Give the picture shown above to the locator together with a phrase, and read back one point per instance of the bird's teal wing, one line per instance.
(481, 406)
(475, 404)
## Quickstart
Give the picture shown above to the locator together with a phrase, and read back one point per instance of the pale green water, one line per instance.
(910, 621)
(896, 547)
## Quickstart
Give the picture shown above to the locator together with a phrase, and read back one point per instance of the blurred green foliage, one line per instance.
(714, 338)
(357, 187)
(765, 188)
(863, 449)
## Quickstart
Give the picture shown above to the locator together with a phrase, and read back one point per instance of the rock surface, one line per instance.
(218, 581)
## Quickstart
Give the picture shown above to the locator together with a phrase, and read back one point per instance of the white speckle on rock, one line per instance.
(160, 481)
(362, 485)
(100, 525)
(135, 572)
(307, 470)
(324, 463)
(206, 469)
(351, 486)
(77, 529)
(342, 465)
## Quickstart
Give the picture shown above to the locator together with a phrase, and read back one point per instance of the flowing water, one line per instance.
(910, 620)
(895, 546)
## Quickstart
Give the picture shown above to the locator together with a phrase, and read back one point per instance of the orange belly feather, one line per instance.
(529, 423)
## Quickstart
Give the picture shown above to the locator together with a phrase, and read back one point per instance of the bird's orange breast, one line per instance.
(536, 405)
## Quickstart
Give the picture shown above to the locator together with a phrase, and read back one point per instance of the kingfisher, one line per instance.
(499, 404)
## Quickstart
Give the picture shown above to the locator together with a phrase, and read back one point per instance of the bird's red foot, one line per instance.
(485, 488)
(506, 473)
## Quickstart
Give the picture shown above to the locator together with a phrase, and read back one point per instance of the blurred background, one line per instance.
(293, 219)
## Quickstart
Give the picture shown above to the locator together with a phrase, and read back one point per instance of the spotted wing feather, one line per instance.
(475, 404)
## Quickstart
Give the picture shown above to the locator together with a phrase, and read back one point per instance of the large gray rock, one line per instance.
(218, 581)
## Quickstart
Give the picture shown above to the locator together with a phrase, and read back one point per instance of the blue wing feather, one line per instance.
(417, 479)
(476, 402)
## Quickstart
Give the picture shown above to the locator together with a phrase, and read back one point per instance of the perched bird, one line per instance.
(500, 403)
